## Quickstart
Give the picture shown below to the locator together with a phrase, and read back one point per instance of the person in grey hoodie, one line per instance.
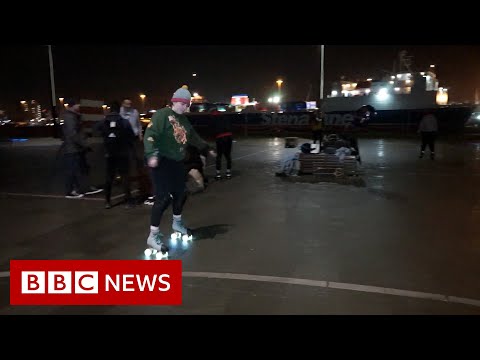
(137, 160)
(428, 129)
(74, 150)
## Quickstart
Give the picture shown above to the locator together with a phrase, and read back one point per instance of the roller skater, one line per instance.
(222, 126)
(165, 140)
(428, 129)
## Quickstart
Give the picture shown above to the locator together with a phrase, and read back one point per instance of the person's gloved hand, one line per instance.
(212, 153)
(152, 161)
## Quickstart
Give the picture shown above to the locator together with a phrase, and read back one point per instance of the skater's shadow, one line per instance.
(210, 231)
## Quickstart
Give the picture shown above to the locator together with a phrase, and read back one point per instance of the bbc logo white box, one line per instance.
(59, 282)
(33, 282)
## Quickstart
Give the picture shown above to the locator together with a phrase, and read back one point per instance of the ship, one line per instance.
(397, 100)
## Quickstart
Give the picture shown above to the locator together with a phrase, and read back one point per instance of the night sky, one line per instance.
(115, 71)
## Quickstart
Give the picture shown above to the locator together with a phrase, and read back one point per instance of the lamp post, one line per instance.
(61, 108)
(54, 97)
(322, 57)
(193, 85)
(143, 96)
(279, 84)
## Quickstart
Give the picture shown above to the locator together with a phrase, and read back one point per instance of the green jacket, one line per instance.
(168, 134)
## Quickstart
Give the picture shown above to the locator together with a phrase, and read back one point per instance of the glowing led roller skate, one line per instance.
(156, 247)
(180, 232)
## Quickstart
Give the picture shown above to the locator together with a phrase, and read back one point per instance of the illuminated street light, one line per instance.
(279, 84)
(143, 96)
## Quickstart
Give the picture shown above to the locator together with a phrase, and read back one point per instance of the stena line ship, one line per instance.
(397, 100)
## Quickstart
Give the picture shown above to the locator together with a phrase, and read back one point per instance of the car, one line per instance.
(205, 107)
(473, 122)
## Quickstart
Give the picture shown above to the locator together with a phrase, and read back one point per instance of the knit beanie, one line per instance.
(182, 95)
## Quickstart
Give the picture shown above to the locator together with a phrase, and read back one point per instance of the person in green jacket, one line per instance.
(165, 140)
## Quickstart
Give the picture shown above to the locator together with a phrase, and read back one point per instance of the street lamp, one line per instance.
(193, 83)
(279, 84)
(143, 96)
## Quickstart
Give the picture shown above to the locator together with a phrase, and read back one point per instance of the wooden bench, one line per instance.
(306, 163)
(328, 164)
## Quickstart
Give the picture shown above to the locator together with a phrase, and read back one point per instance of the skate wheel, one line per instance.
(187, 237)
(173, 236)
(148, 252)
(160, 255)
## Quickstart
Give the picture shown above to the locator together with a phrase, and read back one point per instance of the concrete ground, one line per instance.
(403, 239)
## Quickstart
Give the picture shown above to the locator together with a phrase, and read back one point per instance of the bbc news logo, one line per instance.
(95, 282)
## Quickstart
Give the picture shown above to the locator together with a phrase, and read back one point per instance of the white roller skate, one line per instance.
(180, 232)
(150, 201)
(156, 247)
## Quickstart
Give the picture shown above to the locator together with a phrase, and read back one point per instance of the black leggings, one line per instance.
(169, 185)
(76, 173)
(120, 164)
(428, 138)
(317, 136)
(224, 148)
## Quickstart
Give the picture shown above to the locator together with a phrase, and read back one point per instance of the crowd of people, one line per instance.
(169, 157)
